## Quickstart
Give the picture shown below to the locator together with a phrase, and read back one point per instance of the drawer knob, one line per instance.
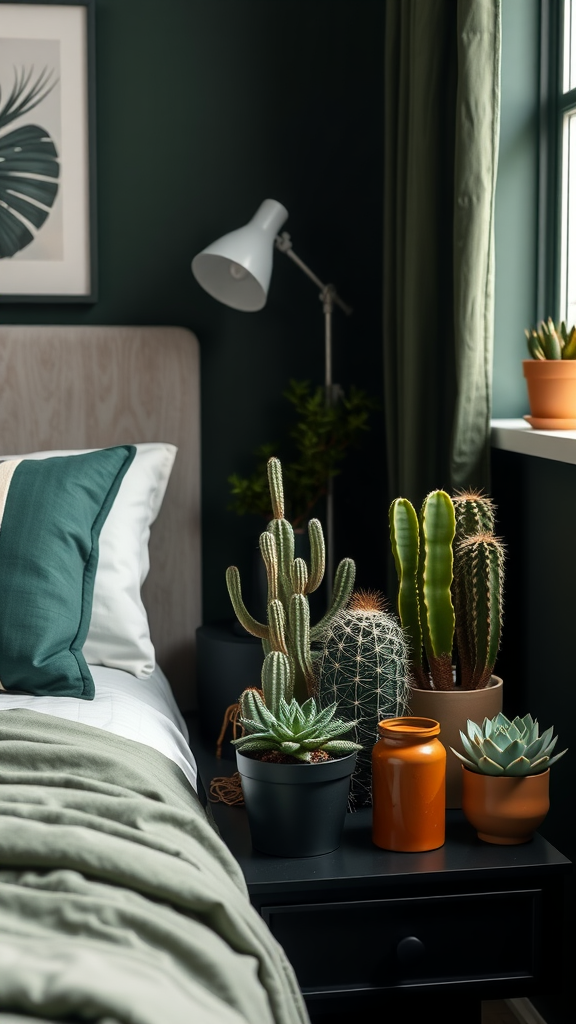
(410, 951)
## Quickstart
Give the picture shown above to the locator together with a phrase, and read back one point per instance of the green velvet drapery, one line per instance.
(442, 91)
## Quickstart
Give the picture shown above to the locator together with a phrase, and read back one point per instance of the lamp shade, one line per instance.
(236, 269)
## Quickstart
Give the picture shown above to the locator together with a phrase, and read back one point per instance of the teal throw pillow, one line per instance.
(51, 514)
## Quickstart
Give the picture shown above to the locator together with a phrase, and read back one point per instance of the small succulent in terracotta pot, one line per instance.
(551, 376)
(505, 777)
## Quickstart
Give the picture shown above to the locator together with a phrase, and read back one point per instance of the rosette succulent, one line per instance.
(502, 747)
(297, 730)
(552, 341)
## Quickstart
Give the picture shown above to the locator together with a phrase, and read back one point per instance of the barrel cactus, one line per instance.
(365, 667)
(502, 747)
(290, 580)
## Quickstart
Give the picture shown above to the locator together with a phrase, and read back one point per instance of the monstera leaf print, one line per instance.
(29, 167)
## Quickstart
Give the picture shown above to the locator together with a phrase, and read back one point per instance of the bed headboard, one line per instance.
(92, 387)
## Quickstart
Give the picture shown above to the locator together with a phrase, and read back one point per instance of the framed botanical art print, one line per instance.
(47, 158)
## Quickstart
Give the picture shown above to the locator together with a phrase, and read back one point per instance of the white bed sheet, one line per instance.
(138, 709)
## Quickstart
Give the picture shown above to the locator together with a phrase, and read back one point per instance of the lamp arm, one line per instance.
(283, 242)
(329, 298)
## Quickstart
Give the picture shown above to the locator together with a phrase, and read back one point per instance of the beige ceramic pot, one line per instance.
(503, 809)
(452, 709)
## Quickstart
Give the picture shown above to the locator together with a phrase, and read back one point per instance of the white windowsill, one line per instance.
(518, 436)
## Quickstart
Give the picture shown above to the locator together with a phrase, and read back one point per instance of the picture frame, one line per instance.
(48, 244)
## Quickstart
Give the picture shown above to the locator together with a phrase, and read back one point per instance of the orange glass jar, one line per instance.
(408, 785)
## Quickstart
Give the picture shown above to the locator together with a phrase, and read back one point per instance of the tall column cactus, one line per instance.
(450, 569)
(477, 588)
(290, 580)
(365, 667)
(422, 552)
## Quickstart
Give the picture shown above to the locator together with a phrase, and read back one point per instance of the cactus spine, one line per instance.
(287, 630)
(365, 667)
(424, 561)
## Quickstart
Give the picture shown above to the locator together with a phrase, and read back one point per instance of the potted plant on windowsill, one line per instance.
(505, 776)
(294, 768)
(450, 568)
(551, 376)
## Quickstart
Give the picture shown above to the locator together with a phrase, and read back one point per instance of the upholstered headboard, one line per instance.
(92, 387)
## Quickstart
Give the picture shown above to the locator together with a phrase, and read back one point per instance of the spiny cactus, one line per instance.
(365, 667)
(287, 629)
(478, 595)
(424, 561)
(552, 341)
(277, 722)
(502, 747)
(474, 513)
(450, 570)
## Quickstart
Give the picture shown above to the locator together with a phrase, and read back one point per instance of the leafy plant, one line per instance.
(275, 721)
(552, 341)
(502, 747)
(317, 445)
(290, 581)
(29, 167)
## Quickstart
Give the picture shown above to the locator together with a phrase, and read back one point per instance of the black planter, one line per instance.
(296, 810)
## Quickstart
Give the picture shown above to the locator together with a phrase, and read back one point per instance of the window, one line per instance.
(567, 163)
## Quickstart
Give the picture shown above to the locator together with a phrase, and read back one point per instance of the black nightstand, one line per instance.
(369, 931)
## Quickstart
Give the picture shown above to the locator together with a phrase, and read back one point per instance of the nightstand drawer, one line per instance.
(381, 944)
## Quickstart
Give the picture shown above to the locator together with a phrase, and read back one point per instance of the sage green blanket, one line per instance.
(118, 901)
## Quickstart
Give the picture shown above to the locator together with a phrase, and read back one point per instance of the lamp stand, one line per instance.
(329, 298)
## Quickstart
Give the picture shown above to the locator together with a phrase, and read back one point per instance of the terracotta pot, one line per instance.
(551, 388)
(408, 778)
(452, 709)
(505, 810)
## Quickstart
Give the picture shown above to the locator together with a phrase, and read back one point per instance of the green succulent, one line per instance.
(501, 747)
(552, 341)
(277, 721)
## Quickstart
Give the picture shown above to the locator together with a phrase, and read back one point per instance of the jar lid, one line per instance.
(409, 726)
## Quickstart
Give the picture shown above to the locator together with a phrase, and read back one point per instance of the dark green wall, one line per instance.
(204, 109)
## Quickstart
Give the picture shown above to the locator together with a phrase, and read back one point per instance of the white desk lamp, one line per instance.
(236, 270)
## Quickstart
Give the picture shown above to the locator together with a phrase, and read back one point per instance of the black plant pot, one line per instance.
(296, 810)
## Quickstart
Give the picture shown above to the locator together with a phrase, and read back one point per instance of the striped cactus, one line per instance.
(478, 586)
(290, 580)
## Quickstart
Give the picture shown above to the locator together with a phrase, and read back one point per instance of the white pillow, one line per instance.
(119, 635)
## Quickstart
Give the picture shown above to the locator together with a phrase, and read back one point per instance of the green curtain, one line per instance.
(442, 79)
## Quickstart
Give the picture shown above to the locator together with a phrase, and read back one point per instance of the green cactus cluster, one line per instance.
(290, 580)
(502, 747)
(365, 667)
(450, 570)
(276, 721)
(552, 341)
